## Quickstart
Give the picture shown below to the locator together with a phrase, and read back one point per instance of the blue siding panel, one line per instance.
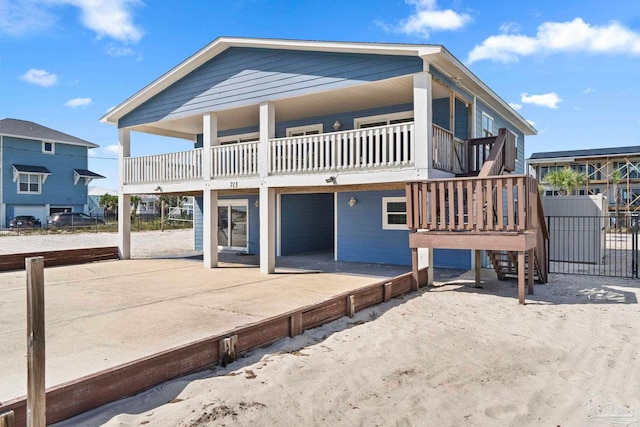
(452, 258)
(360, 234)
(441, 112)
(461, 129)
(307, 223)
(59, 189)
(246, 76)
(197, 222)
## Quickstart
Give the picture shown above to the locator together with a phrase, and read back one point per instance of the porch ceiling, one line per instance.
(383, 93)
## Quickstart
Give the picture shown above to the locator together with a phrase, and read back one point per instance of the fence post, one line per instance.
(36, 397)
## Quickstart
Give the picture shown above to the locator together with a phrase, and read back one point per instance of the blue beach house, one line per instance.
(302, 146)
(42, 171)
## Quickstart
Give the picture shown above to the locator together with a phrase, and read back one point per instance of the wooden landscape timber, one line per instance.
(63, 257)
(84, 394)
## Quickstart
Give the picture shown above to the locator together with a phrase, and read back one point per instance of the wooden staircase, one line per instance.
(488, 210)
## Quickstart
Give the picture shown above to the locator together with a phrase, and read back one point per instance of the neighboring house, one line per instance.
(302, 146)
(598, 165)
(42, 171)
(95, 194)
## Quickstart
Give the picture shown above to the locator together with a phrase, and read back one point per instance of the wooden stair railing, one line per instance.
(491, 155)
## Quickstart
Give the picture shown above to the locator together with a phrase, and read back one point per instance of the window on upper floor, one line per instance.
(305, 130)
(383, 120)
(29, 183)
(394, 213)
(488, 126)
(48, 147)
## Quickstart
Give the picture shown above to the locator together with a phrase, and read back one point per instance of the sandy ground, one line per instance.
(451, 355)
(143, 243)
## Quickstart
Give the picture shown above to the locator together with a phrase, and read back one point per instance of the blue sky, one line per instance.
(572, 68)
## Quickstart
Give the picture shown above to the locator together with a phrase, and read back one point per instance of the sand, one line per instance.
(445, 356)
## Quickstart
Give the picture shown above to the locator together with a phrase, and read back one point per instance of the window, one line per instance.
(305, 130)
(383, 120)
(487, 125)
(48, 147)
(394, 213)
(29, 183)
(236, 139)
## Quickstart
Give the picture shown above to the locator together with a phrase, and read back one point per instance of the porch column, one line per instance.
(210, 227)
(423, 137)
(267, 230)
(124, 200)
(267, 131)
(209, 197)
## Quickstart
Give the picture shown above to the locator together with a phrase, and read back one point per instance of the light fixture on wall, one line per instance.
(352, 201)
(158, 188)
(257, 203)
(336, 125)
(330, 180)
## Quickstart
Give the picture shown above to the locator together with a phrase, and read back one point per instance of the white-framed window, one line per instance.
(394, 213)
(383, 120)
(29, 183)
(48, 147)
(305, 130)
(488, 126)
(236, 139)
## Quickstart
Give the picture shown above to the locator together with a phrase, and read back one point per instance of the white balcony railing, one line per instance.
(234, 160)
(171, 167)
(448, 152)
(369, 148)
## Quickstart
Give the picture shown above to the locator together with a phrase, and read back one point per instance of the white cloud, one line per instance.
(78, 102)
(554, 37)
(515, 106)
(92, 152)
(588, 90)
(116, 51)
(549, 100)
(24, 17)
(108, 18)
(40, 77)
(111, 149)
(509, 27)
(427, 17)
(531, 122)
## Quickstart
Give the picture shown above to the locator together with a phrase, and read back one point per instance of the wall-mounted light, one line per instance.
(352, 201)
(336, 125)
(257, 203)
(330, 180)
(158, 188)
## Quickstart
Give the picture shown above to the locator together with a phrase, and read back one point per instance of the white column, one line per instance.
(267, 230)
(124, 200)
(209, 197)
(210, 228)
(267, 131)
(423, 134)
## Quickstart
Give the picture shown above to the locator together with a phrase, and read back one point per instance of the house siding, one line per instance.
(306, 223)
(246, 76)
(58, 190)
(500, 122)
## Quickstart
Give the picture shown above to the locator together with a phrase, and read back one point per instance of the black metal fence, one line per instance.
(594, 245)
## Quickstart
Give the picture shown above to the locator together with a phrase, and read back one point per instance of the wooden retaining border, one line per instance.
(84, 394)
(64, 257)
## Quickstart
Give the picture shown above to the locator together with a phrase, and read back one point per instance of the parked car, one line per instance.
(73, 219)
(25, 221)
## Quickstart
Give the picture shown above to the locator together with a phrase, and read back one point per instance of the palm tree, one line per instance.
(566, 180)
(135, 200)
(615, 179)
(109, 203)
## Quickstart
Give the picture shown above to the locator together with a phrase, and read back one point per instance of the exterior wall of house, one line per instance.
(58, 190)
(306, 223)
(246, 76)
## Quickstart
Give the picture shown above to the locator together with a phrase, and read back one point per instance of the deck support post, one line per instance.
(477, 265)
(124, 200)
(521, 277)
(267, 230)
(210, 228)
(530, 272)
(415, 282)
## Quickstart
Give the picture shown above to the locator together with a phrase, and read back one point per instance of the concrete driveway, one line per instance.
(104, 314)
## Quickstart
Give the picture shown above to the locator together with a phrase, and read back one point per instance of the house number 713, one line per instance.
(234, 184)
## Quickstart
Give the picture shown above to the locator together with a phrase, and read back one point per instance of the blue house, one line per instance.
(302, 146)
(42, 171)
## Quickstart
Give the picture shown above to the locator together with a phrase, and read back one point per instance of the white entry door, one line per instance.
(233, 225)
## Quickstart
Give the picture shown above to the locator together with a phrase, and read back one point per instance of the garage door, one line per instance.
(39, 212)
